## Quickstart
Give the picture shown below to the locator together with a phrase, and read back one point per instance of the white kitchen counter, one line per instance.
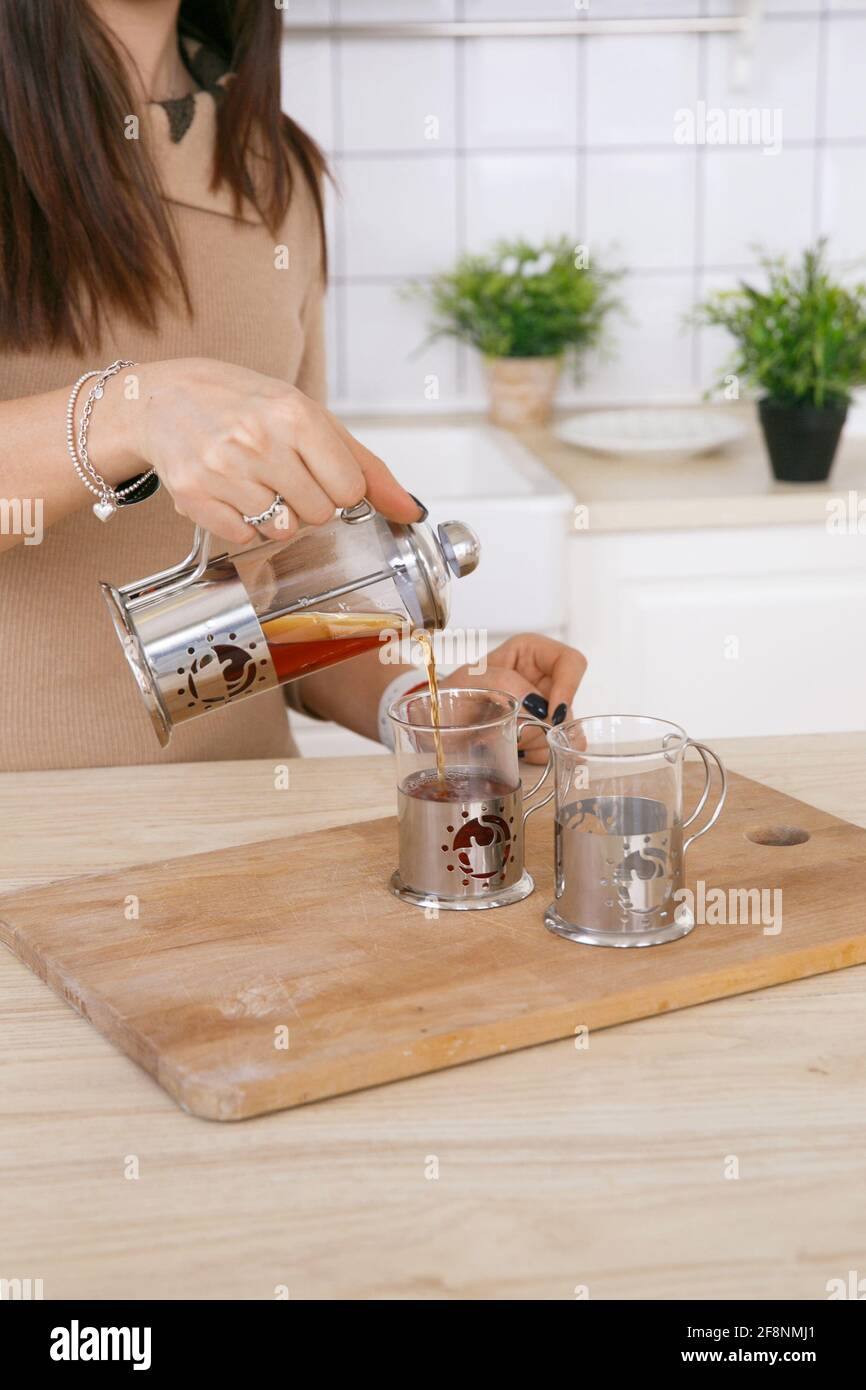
(558, 1167)
(733, 487)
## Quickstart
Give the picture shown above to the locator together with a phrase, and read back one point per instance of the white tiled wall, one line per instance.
(569, 135)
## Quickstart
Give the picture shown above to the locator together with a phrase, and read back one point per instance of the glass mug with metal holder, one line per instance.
(619, 829)
(211, 631)
(461, 804)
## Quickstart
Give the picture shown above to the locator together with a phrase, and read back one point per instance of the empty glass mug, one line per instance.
(460, 800)
(619, 829)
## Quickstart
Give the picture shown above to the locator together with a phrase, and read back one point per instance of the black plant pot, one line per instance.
(801, 439)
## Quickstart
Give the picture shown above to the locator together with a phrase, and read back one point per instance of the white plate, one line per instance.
(646, 433)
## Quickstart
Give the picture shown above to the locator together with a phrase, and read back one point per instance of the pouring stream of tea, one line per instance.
(425, 642)
(309, 641)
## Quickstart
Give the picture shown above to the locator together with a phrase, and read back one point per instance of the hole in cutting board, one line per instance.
(778, 835)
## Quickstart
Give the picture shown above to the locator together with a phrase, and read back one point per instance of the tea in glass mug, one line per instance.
(460, 800)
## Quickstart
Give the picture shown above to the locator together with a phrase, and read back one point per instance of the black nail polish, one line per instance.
(424, 512)
(536, 705)
(559, 714)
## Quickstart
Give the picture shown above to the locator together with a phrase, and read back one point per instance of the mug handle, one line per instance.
(524, 722)
(705, 754)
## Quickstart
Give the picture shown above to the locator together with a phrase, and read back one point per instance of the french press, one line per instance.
(211, 631)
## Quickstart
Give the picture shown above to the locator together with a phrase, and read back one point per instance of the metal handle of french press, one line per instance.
(187, 572)
(199, 555)
(525, 722)
(190, 570)
(362, 511)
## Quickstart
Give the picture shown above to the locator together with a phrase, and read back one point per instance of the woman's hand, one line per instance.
(224, 439)
(541, 673)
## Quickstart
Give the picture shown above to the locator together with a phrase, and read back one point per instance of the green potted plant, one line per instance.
(525, 308)
(802, 341)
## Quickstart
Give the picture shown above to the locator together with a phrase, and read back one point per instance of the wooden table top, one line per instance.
(534, 1175)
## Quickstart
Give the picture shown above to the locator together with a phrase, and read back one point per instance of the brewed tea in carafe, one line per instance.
(208, 632)
(303, 642)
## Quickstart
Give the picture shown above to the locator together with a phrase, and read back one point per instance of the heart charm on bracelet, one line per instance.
(104, 509)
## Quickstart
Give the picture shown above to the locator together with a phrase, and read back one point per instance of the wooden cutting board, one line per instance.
(281, 972)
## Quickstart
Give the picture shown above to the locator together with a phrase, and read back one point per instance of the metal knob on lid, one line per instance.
(460, 546)
(423, 562)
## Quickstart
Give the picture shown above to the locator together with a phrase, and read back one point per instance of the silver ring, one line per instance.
(266, 515)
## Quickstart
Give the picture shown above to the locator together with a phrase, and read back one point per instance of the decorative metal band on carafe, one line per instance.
(461, 854)
(197, 650)
(618, 864)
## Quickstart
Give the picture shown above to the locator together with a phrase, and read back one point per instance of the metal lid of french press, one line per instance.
(422, 560)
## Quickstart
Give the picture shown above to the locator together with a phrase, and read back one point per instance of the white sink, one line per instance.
(450, 462)
(522, 514)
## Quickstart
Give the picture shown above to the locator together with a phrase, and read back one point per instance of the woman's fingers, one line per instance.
(348, 471)
(533, 742)
(569, 668)
(532, 665)
(317, 479)
(299, 429)
(302, 491)
(218, 518)
(553, 667)
(204, 418)
(499, 678)
(232, 479)
(494, 678)
(381, 487)
(247, 495)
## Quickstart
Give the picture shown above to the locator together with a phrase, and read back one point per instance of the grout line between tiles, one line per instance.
(339, 279)
(820, 122)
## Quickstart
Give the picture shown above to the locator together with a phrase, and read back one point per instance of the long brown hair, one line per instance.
(82, 222)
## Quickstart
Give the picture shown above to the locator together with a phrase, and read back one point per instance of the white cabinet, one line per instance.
(753, 630)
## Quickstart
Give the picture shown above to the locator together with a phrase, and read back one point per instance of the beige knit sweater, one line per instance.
(67, 697)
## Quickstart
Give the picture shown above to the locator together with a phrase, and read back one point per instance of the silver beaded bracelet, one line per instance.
(110, 498)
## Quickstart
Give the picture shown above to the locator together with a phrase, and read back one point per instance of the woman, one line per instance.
(157, 209)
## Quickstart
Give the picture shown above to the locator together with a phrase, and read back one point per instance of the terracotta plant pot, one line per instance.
(521, 389)
(801, 439)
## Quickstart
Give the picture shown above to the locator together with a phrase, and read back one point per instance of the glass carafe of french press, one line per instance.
(212, 631)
